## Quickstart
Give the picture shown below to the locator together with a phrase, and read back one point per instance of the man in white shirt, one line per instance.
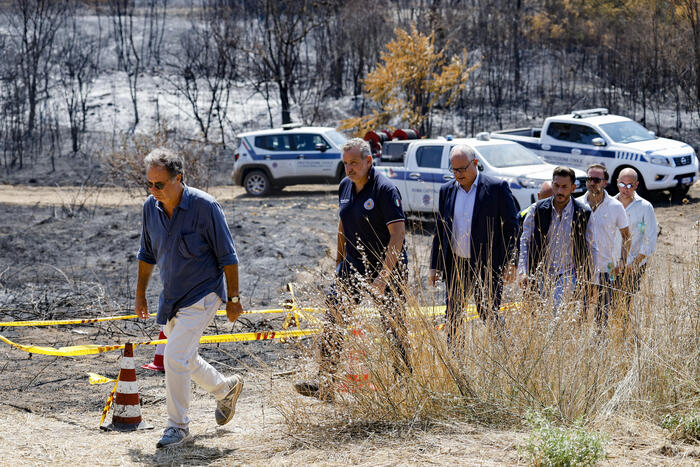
(608, 217)
(643, 231)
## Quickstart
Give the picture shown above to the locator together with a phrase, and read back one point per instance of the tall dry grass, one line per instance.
(644, 364)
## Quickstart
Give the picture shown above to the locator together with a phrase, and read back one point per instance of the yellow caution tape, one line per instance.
(110, 399)
(91, 349)
(117, 318)
(274, 310)
(297, 313)
(66, 321)
(94, 378)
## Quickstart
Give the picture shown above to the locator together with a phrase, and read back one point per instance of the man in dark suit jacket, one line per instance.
(474, 239)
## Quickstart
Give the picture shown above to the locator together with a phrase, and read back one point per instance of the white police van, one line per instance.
(592, 136)
(291, 155)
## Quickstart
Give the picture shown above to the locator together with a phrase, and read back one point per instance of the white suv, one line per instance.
(290, 155)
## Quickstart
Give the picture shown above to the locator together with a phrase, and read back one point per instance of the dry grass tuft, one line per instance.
(643, 365)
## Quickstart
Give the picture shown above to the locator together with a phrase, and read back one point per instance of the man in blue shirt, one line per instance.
(184, 232)
(370, 257)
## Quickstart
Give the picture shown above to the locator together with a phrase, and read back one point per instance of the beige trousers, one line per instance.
(183, 363)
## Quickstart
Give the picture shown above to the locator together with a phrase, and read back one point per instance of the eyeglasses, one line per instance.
(460, 170)
(594, 179)
(158, 185)
(629, 186)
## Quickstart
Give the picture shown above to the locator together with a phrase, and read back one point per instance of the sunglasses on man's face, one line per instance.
(157, 185)
(629, 186)
(594, 179)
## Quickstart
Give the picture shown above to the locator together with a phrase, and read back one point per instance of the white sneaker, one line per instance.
(174, 436)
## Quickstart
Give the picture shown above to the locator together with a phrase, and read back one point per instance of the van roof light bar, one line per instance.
(589, 112)
(291, 126)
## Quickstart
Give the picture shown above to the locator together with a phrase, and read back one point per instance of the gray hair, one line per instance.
(464, 150)
(359, 144)
(164, 157)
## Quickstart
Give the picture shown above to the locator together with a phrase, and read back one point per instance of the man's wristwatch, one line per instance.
(234, 299)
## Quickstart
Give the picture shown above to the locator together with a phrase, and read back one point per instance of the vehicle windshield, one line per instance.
(626, 132)
(508, 155)
(337, 138)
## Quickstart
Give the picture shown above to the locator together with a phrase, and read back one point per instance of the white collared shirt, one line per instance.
(462, 220)
(643, 229)
(605, 223)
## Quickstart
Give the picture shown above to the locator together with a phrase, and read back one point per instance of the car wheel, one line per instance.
(257, 183)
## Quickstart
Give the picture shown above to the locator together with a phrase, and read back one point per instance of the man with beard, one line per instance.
(553, 245)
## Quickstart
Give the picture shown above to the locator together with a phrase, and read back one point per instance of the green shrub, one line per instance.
(549, 445)
(685, 427)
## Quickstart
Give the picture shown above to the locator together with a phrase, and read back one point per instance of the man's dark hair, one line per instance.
(565, 172)
(599, 166)
(164, 157)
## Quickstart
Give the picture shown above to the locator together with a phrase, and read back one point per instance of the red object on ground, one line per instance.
(157, 364)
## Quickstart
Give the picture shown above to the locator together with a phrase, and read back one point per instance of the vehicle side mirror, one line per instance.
(652, 133)
(480, 167)
(321, 147)
(598, 142)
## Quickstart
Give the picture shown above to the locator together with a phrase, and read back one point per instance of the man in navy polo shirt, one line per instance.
(184, 232)
(370, 257)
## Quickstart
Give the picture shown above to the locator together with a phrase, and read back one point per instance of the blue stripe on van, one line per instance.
(287, 155)
(630, 156)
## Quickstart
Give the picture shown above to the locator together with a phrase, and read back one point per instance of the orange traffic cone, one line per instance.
(157, 364)
(126, 412)
(357, 375)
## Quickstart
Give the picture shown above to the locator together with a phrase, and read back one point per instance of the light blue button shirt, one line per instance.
(462, 220)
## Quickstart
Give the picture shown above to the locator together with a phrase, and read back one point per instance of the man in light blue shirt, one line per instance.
(184, 232)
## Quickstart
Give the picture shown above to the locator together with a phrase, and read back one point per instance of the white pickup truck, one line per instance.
(426, 166)
(592, 136)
